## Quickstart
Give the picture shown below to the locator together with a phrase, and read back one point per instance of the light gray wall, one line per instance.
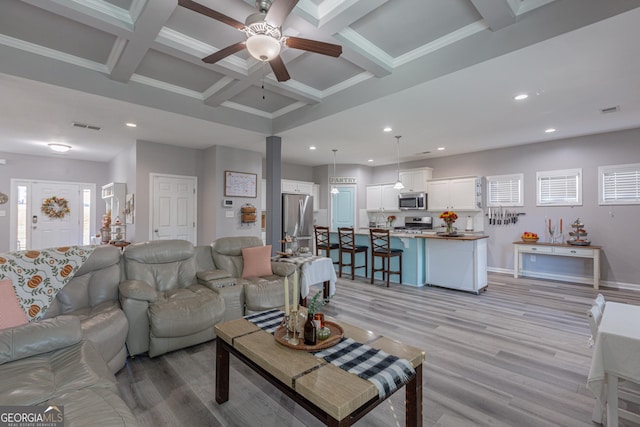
(162, 159)
(231, 159)
(123, 169)
(20, 166)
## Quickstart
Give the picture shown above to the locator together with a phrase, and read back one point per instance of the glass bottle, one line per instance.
(310, 330)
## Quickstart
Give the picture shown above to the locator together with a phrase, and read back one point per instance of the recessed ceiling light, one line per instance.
(312, 147)
(370, 160)
(60, 148)
(131, 125)
(387, 129)
(550, 130)
(521, 96)
(440, 148)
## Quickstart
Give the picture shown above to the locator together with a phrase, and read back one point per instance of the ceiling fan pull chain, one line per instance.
(263, 73)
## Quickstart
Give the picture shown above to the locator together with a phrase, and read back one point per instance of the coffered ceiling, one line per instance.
(441, 73)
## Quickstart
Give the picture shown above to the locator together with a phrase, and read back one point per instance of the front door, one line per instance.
(343, 208)
(55, 228)
(173, 207)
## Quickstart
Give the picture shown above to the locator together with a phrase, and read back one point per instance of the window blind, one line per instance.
(558, 188)
(619, 184)
(505, 190)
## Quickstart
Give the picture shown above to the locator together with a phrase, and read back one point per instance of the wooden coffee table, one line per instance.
(334, 396)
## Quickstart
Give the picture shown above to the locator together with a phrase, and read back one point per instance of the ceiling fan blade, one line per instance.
(278, 11)
(314, 46)
(279, 69)
(223, 53)
(197, 7)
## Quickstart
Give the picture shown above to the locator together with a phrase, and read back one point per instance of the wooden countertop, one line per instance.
(467, 236)
(561, 245)
(464, 237)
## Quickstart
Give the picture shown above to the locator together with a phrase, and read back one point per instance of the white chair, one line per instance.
(594, 315)
(631, 391)
(600, 302)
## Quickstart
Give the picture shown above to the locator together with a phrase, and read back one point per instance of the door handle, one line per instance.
(155, 231)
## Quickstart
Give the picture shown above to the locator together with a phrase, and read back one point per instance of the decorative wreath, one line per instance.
(55, 207)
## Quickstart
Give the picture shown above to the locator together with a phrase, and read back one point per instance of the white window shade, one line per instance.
(619, 185)
(505, 190)
(559, 188)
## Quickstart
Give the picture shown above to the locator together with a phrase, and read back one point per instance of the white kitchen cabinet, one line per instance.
(382, 198)
(302, 187)
(454, 194)
(457, 264)
(415, 180)
(316, 197)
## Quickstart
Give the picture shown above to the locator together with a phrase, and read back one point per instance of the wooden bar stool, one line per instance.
(347, 239)
(381, 247)
(323, 241)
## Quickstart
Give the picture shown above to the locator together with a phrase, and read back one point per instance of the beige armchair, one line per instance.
(166, 307)
(260, 293)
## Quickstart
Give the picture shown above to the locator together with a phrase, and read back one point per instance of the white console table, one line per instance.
(558, 249)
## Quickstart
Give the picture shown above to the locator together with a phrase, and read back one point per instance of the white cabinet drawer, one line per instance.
(577, 252)
(536, 248)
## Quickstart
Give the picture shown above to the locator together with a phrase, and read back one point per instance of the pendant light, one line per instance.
(398, 185)
(334, 189)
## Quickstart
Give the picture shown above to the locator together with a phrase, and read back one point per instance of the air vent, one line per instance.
(610, 110)
(86, 126)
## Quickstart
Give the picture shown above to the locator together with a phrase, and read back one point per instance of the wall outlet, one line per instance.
(532, 258)
(229, 214)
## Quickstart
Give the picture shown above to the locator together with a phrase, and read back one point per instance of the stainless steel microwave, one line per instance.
(412, 201)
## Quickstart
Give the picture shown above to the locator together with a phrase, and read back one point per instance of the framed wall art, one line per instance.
(240, 184)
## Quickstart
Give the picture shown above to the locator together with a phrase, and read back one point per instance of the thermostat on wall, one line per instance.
(227, 203)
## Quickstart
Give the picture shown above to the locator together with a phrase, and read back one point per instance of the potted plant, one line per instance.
(316, 317)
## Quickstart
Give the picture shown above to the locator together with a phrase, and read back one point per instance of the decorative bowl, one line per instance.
(529, 239)
(323, 333)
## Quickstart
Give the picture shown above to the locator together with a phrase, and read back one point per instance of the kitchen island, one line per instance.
(413, 273)
(458, 262)
(431, 259)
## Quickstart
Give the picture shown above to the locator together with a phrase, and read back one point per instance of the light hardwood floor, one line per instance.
(516, 355)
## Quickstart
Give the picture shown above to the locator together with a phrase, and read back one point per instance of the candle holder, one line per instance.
(286, 320)
(294, 340)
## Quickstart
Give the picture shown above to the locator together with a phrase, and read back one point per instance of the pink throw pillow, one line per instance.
(11, 314)
(257, 261)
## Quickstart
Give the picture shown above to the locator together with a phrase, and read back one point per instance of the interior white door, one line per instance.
(173, 207)
(48, 232)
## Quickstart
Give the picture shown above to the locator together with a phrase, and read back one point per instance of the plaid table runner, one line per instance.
(385, 371)
(267, 320)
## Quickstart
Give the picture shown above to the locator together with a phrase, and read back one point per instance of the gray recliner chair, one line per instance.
(92, 295)
(166, 307)
(260, 293)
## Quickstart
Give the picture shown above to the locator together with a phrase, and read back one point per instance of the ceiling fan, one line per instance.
(264, 34)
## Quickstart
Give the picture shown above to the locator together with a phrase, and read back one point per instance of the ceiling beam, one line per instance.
(496, 13)
(150, 21)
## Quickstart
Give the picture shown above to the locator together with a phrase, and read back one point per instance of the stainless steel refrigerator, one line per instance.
(297, 218)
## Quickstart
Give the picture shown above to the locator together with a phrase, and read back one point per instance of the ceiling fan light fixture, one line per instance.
(263, 47)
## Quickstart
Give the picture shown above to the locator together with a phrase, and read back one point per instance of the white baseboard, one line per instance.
(572, 279)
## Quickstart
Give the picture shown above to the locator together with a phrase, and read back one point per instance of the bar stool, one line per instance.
(381, 247)
(347, 239)
(323, 241)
